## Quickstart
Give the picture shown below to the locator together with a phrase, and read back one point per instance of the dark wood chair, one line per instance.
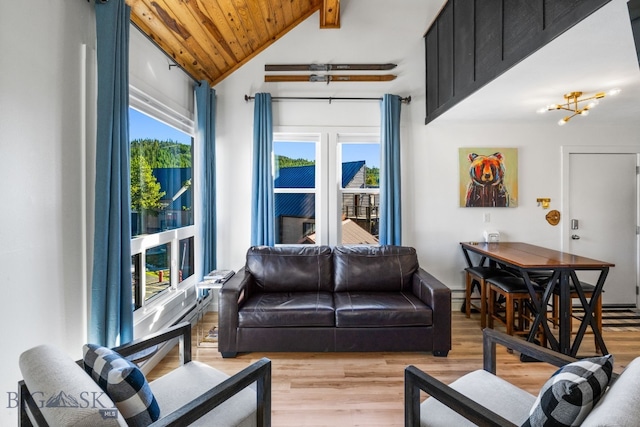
(479, 275)
(509, 302)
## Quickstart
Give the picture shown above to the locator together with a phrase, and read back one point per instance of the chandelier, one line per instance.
(575, 104)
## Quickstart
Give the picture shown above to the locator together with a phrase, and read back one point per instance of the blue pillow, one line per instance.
(123, 382)
(569, 395)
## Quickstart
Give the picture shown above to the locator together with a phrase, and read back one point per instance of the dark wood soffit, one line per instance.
(471, 43)
(211, 39)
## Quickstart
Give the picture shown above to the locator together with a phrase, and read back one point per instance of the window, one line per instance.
(295, 190)
(162, 222)
(360, 192)
(326, 187)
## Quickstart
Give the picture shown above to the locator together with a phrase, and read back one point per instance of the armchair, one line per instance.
(482, 398)
(189, 394)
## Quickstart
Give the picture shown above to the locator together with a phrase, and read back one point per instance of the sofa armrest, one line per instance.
(259, 373)
(232, 294)
(416, 380)
(436, 295)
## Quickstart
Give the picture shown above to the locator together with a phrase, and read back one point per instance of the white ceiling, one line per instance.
(596, 55)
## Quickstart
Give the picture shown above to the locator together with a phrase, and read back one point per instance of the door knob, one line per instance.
(575, 237)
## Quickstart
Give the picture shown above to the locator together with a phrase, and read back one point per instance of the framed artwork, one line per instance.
(488, 177)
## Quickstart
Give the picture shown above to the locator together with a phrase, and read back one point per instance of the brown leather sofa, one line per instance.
(343, 298)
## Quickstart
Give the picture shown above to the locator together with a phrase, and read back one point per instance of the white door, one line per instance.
(602, 219)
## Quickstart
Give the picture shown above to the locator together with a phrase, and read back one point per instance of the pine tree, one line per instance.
(145, 189)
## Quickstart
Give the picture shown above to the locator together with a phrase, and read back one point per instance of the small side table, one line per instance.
(202, 304)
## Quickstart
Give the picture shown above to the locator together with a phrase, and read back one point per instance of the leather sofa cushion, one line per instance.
(288, 309)
(374, 268)
(291, 268)
(380, 309)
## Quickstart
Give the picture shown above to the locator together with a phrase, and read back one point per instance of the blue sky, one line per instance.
(370, 153)
(142, 126)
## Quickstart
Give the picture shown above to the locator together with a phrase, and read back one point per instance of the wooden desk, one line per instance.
(563, 266)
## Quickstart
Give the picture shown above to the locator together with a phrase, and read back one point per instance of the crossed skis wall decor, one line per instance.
(327, 78)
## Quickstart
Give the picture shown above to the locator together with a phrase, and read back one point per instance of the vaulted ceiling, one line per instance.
(210, 39)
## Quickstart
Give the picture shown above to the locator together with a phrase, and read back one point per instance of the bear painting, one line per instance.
(489, 180)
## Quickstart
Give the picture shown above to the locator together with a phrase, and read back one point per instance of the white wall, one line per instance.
(42, 239)
(372, 32)
(433, 222)
(440, 224)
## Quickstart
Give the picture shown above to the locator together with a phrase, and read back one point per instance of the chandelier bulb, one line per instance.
(563, 122)
(614, 92)
(584, 112)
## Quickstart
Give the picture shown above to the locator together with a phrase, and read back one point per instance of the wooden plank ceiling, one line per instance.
(210, 39)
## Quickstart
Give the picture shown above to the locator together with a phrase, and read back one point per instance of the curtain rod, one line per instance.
(406, 100)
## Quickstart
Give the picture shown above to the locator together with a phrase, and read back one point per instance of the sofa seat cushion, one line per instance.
(620, 405)
(380, 309)
(490, 391)
(184, 384)
(290, 309)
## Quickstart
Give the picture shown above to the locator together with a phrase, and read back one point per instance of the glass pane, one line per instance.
(360, 165)
(161, 176)
(295, 218)
(360, 211)
(360, 218)
(295, 213)
(158, 270)
(295, 164)
(186, 259)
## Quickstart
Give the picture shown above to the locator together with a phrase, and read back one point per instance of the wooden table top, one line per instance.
(525, 255)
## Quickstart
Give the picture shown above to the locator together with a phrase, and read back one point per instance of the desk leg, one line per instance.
(589, 307)
(540, 308)
(466, 257)
(564, 329)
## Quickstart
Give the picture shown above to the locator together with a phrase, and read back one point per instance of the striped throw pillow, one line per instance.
(123, 382)
(569, 395)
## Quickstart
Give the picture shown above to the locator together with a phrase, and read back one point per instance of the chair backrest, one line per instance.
(63, 392)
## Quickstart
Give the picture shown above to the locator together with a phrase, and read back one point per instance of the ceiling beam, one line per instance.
(330, 14)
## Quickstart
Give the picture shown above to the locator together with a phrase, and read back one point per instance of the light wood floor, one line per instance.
(366, 389)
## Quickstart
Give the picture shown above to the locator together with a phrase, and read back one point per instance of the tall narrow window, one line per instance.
(295, 191)
(161, 206)
(360, 192)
